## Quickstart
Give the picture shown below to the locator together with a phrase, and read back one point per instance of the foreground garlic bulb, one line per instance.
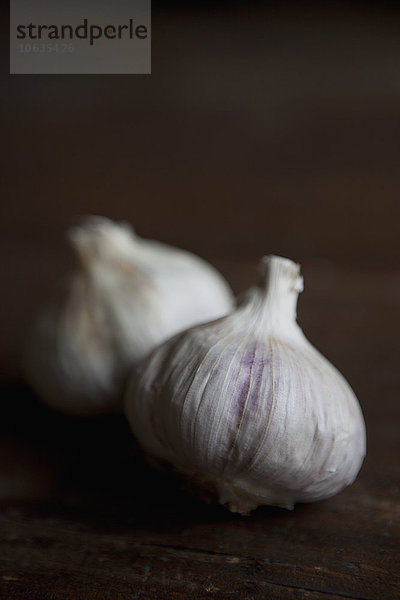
(247, 407)
(125, 296)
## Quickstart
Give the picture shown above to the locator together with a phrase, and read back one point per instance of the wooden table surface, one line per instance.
(83, 516)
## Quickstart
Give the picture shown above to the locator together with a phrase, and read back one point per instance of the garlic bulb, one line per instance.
(125, 296)
(247, 407)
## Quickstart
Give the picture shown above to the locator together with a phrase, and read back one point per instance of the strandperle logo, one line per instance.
(84, 31)
(66, 37)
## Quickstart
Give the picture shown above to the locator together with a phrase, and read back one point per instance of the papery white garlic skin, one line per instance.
(125, 296)
(248, 407)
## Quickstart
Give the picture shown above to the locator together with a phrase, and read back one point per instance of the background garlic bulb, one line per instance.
(125, 296)
(246, 405)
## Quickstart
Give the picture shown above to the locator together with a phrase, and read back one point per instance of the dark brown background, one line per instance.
(263, 128)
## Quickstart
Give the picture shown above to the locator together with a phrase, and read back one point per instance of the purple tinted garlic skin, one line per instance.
(248, 407)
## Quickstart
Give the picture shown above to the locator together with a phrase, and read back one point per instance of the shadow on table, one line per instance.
(90, 469)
